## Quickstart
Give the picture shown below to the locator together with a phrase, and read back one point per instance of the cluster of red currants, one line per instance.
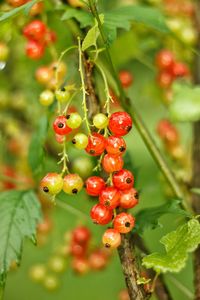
(39, 36)
(83, 258)
(118, 191)
(169, 69)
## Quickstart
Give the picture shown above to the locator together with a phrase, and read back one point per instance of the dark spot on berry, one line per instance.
(127, 224)
(60, 125)
(122, 149)
(115, 172)
(74, 191)
(107, 203)
(54, 68)
(67, 117)
(107, 245)
(63, 89)
(74, 141)
(128, 128)
(45, 189)
(128, 180)
(106, 114)
(137, 195)
(92, 151)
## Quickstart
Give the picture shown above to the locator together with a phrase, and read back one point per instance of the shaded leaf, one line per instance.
(83, 17)
(19, 214)
(177, 244)
(148, 218)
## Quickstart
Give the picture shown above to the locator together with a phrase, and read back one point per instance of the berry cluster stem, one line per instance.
(84, 103)
(64, 160)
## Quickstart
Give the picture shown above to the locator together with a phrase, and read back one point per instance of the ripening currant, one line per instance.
(43, 75)
(96, 144)
(80, 141)
(112, 163)
(111, 238)
(81, 235)
(124, 222)
(100, 121)
(60, 126)
(115, 145)
(72, 184)
(179, 69)
(52, 183)
(46, 98)
(80, 265)
(4, 52)
(101, 215)
(165, 59)
(35, 30)
(74, 120)
(110, 197)
(77, 249)
(168, 132)
(129, 198)
(62, 95)
(97, 260)
(165, 79)
(34, 49)
(126, 78)
(123, 179)
(120, 123)
(60, 138)
(50, 37)
(16, 3)
(94, 185)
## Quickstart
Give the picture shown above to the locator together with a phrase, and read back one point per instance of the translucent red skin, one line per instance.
(168, 132)
(110, 197)
(112, 163)
(94, 185)
(120, 177)
(111, 238)
(96, 143)
(61, 131)
(120, 123)
(34, 50)
(165, 59)
(165, 79)
(113, 145)
(78, 250)
(97, 260)
(101, 215)
(120, 221)
(179, 69)
(126, 78)
(81, 235)
(36, 30)
(129, 198)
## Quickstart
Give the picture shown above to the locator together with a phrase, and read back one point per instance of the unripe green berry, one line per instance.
(46, 98)
(100, 121)
(37, 272)
(74, 120)
(51, 282)
(4, 52)
(72, 184)
(62, 95)
(80, 141)
(57, 264)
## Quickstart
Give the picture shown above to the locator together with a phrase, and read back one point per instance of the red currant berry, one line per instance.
(120, 123)
(94, 185)
(115, 145)
(111, 238)
(109, 197)
(129, 198)
(36, 9)
(35, 30)
(72, 184)
(96, 144)
(81, 235)
(97, 260)
(43, 75)
(78, 250)
(164, 59)
(165, 79)
(80, 265)
(52, 183)
(60, 126)
(126, 78)
(101, 215)
(112, 163)
(16, 3)
(179, 70)
(124, 222)
(168, 132)
(123, 179)
(60, 138)
(50, 37)
(34, 50)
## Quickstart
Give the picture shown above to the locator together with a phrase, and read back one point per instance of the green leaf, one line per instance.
(121, 18)
(185, 106)
(36, 148)
(177, 244)
(148, 218)
(92, 36)
(16, 11)
(83, 17)
(19, 214)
